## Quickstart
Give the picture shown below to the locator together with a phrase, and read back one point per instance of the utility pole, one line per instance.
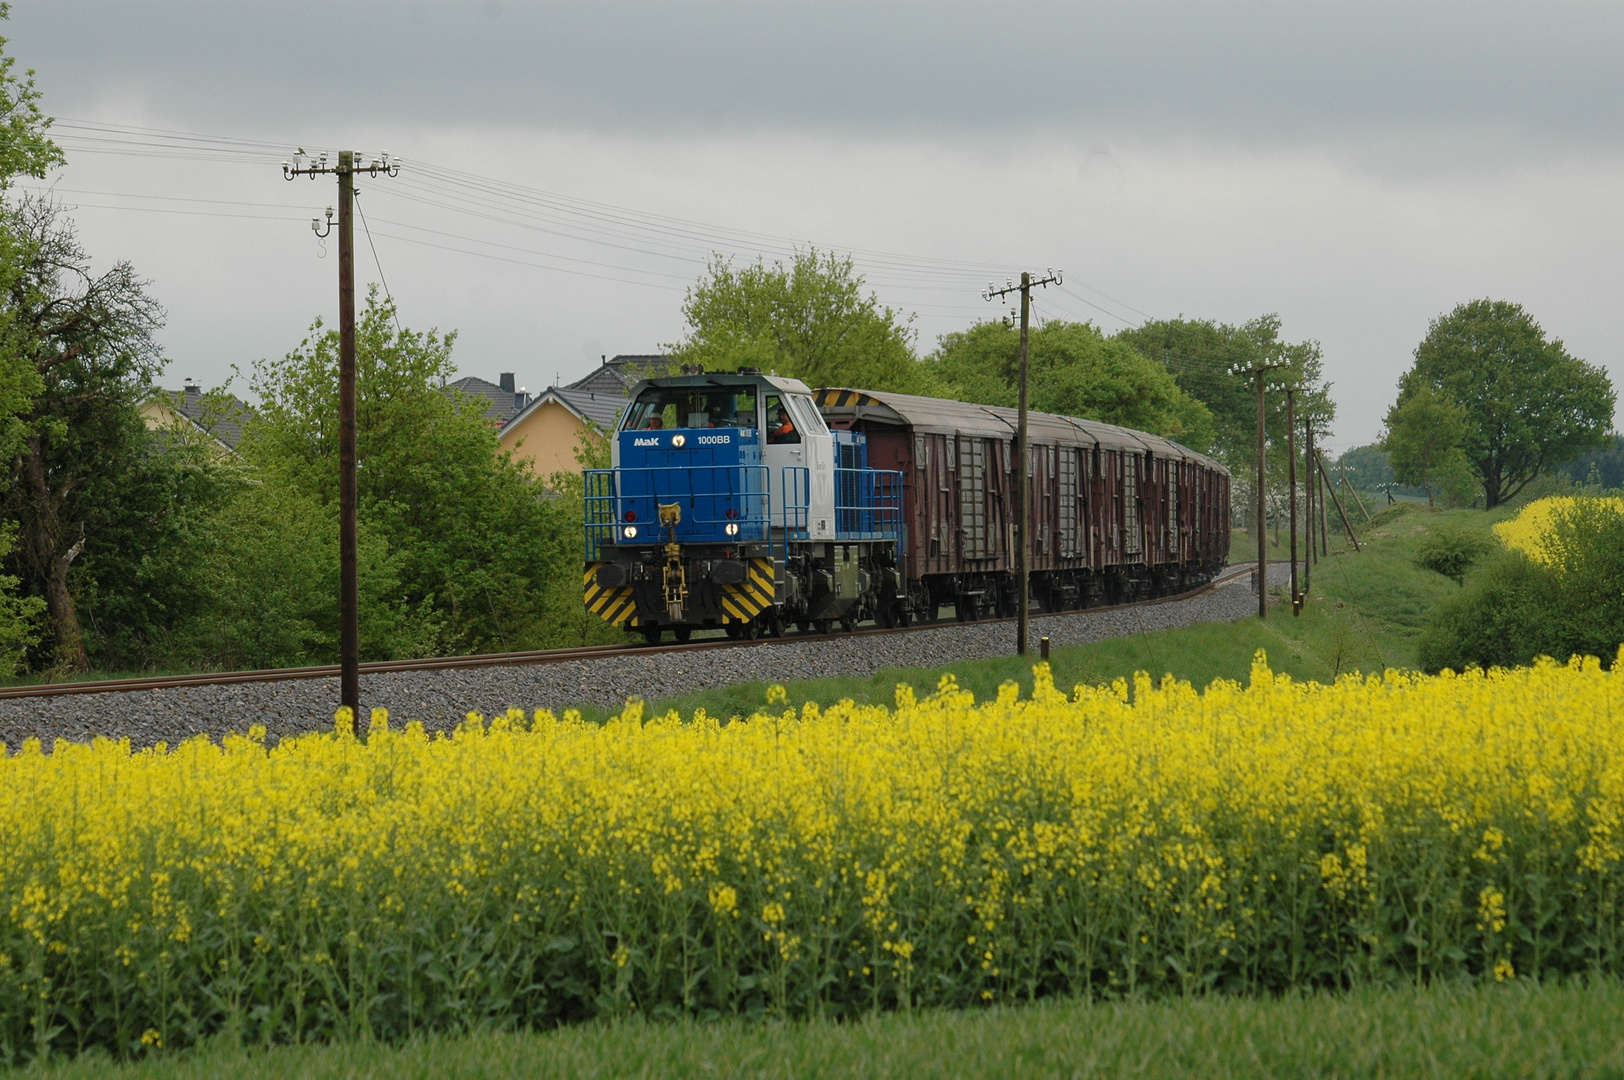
(349, 608)
(1022, 493)
(1291, 491)
(1258, 372)
(1308, 504)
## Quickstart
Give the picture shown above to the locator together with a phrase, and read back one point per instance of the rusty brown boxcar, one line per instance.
(1116, 515)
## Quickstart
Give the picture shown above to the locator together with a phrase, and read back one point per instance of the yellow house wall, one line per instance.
(546, 439)
(157, 414)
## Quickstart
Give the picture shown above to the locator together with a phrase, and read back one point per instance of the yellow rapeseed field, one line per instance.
(1537, 525)
(1141, 840)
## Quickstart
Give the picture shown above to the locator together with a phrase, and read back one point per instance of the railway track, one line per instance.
(514, 659)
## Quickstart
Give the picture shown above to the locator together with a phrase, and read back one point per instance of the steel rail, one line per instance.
(537, 656)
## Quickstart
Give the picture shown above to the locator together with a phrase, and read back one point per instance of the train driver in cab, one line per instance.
(779, 428)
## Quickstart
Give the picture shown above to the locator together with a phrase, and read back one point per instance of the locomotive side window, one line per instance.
(781, 426)
(692, 407)
(806, 415)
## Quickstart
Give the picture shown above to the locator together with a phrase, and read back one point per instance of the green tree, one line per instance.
(89, 341)
(811, 320)
(1074, 370)
(1528, 404)
(26, 148)
(474, 538)
(1423, 442)
(1200, 354)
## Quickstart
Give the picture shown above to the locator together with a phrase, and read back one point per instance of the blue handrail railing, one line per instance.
(868, 504)
(797, 504)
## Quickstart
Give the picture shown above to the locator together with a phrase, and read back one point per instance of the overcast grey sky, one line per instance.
(1357, 168)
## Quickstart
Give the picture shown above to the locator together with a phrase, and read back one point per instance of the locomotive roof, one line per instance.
(713, 379)
(942, 416)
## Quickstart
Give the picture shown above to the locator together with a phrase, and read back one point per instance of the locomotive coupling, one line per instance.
(676, 576)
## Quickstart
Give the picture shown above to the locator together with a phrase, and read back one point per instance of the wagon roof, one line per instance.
(940, 415)
(927, 414)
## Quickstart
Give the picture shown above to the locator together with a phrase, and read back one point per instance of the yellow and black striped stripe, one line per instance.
(614, 605)
(836, 398)
(743, 602)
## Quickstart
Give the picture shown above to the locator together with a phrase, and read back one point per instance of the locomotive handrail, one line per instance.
(713, 497)
(868, 504)
(797, 503)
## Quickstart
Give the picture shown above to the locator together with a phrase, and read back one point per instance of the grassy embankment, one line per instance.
(1364, 613)
(1485, 1032)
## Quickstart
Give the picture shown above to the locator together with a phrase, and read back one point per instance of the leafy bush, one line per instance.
(1451, 550)
(1558, 591)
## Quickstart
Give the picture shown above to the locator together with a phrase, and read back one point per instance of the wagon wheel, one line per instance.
(683, 633)
(651, 634)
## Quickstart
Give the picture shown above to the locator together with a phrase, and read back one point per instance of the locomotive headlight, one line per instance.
(678, 440)
(629, 532)
(731, 528)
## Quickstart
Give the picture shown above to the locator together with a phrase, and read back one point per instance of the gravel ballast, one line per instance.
(441, 699)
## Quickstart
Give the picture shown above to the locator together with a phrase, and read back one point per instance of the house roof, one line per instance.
(601, 409)
(617, 374)
(501, 406)
(220, 415)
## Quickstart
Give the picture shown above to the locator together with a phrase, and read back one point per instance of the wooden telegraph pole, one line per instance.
(1258, 372)
(1291, 492)
(349, 608)
(1023, 494)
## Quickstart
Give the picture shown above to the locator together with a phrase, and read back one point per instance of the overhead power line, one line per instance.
(676, 248)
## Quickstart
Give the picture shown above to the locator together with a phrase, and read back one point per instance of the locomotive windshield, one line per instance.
(692, 407)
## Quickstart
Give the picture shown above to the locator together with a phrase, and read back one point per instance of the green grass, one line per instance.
(1364, 614)
(1483, 1032)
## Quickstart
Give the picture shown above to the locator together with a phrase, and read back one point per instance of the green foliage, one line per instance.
(25, 145)
(270, 576)
(1528, 405)
(1425, 430)
(19, 615)
(1200, 354)
(1075, 371)
(480, 550)
(1450, 550)
(1516, 609)
(811, 320)
(1544, 1031)
(1602, 469)
(150, 522)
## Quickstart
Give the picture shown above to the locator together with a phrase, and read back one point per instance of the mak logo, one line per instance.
(645, 442)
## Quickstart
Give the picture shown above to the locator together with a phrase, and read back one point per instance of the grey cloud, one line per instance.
(1254, 71)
